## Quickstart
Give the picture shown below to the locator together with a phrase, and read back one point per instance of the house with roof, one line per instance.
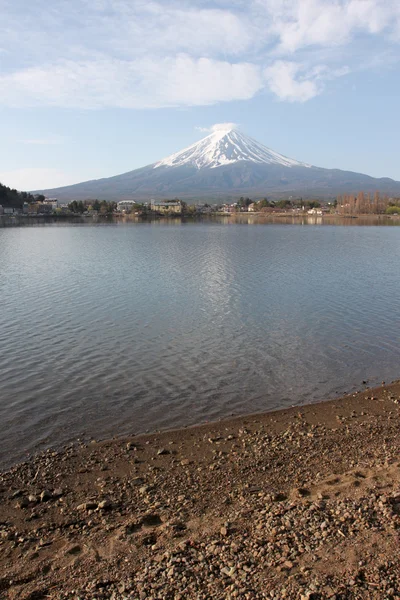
(166, 206)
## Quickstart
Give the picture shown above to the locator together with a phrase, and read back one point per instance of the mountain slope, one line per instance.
(223, 148)
(223, 165)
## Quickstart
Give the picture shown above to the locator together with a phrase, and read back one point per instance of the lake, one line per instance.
(121, 328)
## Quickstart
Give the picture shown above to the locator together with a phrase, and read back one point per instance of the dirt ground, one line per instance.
(301, 503)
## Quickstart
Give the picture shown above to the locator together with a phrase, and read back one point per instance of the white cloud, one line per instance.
(218, 127)
(147, 83)
(223, 126)
(49, 141)
(286, 83)
(35, 178)
(295, 82)
(302, 23)
(137, 54)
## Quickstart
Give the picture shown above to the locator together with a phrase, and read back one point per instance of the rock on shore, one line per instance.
(302, 503)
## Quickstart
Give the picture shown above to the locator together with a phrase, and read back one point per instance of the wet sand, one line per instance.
(301, 503)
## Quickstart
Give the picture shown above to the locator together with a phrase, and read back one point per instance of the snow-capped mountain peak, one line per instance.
(226, 147)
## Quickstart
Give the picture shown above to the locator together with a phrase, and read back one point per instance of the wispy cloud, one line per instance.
(49, 141)
(137, 54)
(218, 127)
(147, 83)
(295, 82)
(303, 23)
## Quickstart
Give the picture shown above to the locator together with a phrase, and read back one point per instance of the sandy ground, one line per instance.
(301, 503)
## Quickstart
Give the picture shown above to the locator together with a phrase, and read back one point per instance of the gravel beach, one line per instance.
(301, 503)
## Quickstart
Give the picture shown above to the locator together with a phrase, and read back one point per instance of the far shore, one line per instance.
(301, 503)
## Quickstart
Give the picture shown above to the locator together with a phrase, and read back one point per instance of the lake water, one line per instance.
(115, 329)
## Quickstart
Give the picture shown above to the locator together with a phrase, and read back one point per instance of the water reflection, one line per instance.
(228, 219)
(120, 327)
(373, 220)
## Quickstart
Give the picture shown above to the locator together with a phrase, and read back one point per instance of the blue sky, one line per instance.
(93, 88)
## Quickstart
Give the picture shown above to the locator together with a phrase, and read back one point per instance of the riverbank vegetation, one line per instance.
(12, 198)
(367, 204)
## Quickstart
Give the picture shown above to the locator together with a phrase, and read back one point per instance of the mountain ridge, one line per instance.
(221, 148)
(222, 166)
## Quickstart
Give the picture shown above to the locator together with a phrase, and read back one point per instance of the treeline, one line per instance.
(102, 207)
(367, 204)
(282, 204)
(12, 198)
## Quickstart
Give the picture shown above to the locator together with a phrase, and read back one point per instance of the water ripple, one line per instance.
(120, 329)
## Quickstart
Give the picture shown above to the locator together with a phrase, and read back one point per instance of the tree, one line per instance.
(12, 198)
(313, 204)
(77, 207)
(283, 203)
(263, 203)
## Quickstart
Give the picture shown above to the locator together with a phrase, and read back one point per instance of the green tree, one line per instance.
(77, 207)
(12, 198)
(263, 203)
(283, 204)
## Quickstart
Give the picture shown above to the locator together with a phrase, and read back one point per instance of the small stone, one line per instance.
(23, 503)
(137, 480)
(75, 549)
(87, 506)
(45, 495)
(228, 571)
(162, 451)
(279, 497)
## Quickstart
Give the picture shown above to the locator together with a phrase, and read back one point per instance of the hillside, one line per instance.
(224, 165)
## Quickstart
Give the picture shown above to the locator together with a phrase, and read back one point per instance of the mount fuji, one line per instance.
(222, 166)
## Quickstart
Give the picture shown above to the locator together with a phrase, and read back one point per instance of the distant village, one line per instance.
(343, 205)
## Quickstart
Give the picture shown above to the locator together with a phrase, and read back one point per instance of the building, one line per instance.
(251, 207)
(173, 207)
(40, 208)
(125, 205)
(228, 208)
(204, 208)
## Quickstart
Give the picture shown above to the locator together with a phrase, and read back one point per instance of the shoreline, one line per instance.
(302, 502)
(82, 439)
(77, 219)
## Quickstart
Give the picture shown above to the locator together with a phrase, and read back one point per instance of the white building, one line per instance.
(166, 207)
(125, 205)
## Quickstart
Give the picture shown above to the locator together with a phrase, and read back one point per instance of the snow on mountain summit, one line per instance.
(225, 147)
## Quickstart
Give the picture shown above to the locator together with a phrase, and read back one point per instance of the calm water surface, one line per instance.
(120, 328)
